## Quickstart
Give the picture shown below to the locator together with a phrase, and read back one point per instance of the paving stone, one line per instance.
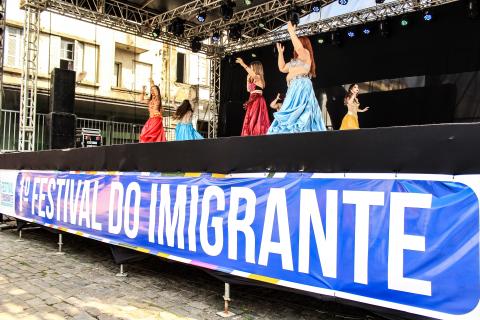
(81, 285)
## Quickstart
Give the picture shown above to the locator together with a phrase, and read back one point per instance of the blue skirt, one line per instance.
(300, 111)
(185, 131)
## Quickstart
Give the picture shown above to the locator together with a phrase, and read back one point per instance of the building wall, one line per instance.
(96, 49)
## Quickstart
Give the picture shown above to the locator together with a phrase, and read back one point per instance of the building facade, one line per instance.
(111, 69)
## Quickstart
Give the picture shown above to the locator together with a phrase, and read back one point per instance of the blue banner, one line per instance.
(409, 243)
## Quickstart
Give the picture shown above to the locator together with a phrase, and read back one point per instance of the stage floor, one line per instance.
(436, 149)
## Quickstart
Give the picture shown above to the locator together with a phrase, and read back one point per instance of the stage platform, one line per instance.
(438, 149)
(298, 212)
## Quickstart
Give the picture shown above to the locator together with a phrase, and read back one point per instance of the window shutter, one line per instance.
(78, 58)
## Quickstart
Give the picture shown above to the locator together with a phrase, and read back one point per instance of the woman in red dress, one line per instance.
(256, 120)
(153, 129)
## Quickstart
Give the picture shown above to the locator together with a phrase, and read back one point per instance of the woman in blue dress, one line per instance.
(184, 129)
(300, 111)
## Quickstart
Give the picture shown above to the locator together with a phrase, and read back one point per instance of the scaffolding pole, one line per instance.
(28, 89)
(2, 46)
(214, 101)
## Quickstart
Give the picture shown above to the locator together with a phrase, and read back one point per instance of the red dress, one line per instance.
(256, 120)
(153, 129)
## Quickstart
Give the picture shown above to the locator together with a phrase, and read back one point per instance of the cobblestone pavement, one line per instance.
(36, 283)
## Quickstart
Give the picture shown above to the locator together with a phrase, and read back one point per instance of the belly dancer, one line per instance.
(300, 111)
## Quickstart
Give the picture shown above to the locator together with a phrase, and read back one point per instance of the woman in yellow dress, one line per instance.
(350, 121)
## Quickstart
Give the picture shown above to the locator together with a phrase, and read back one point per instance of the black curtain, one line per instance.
(447, 45)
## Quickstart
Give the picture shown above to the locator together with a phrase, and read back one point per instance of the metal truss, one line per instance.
(374, 13)
(114, 15)
(28, 89)
(2, 46)
(214, 101)
(274, 12)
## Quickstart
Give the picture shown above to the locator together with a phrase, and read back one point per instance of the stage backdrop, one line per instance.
(449, 44)
(406, 242)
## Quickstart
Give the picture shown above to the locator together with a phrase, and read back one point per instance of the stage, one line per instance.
(249, 209)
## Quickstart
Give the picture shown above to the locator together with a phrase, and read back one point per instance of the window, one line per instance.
(180, 67)
(67, 54)
(117, 75)
(142, 74)
(13, 52)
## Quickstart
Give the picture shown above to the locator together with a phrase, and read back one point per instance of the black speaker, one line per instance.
(62, 91)
(61, 130)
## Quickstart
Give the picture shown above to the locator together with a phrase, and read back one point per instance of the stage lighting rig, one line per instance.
(262, 23)
(216, 36)
(472, 9)
(293, 15)
(235, 31)
(202, 16)
(384, 28)
(156, 32)
(427, 16)
(196, 44)
(226, 9)
(177, 27)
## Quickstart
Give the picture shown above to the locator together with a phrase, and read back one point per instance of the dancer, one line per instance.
(184, 129)
(278, 102)
(350, 121)
(153, 129)
(256, 120)
(300, 111)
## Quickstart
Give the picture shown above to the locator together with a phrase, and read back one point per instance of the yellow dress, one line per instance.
(350, 120)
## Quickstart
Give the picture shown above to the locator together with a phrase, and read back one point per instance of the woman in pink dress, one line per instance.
(153, 129)
(256, 120)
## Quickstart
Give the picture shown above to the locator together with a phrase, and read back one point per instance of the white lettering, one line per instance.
(217, 222)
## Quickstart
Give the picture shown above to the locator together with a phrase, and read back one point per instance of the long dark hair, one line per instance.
(183, 109)
(159, 96)
(349, 92)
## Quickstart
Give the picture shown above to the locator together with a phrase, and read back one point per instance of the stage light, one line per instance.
(253, 55)
(202, 16)
(343, 2)
(427, 16)
(216, 36)
(248, 2)
(379, 1)
(293, 15)
(316, 7)
(335, 38)
(472, 9)
(262, 23)
(404, 22)
(321, 40)
(351, 34)
(177, 27)
(366, 31)
(235, 31)
(384, 28)
(156, 32)
(196, 44)
(226, 9)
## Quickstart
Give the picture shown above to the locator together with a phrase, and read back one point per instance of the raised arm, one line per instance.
(297, 45)
(282, 66)
(273, 104)
(249, 70)
(143, 99)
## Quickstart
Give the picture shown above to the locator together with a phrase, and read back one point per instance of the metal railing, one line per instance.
(113, 132)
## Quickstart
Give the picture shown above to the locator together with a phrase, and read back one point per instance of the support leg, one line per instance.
(226, 297)
(121, 273)
(60, 244)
